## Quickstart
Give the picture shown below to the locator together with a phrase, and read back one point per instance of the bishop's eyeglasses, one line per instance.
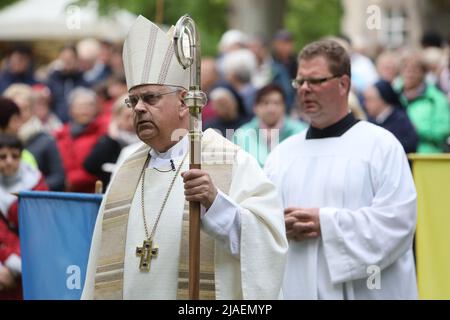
(298, 82)
(148, 98)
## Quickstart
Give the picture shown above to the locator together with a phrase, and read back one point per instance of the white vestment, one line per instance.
(260, 224)
(363, 186)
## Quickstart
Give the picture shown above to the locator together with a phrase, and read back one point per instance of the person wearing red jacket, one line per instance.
(77, 138)
(15, 176)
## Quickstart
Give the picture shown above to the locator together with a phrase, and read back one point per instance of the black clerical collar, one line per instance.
(333, 131)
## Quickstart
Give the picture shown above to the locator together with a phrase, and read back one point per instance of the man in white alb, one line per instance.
(140, 247)
(348, 193)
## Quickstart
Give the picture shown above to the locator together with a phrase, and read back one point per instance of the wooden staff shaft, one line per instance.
(194, 228)
(195, 99)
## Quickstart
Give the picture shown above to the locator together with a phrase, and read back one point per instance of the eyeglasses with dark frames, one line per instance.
(298, 82)
(148, 98)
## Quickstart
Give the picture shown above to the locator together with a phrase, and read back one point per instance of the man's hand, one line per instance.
(198, 186)
(302, 223)
(7, 281)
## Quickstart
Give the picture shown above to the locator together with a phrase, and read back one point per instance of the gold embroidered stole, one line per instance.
(110, 264)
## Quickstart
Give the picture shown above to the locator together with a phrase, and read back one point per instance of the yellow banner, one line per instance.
(432, 179)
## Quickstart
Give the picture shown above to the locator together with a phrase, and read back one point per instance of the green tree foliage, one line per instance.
(4, 3)
(310, 20)
(209, 15)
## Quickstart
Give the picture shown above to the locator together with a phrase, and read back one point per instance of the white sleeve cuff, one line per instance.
(339, 266)
(223, 222)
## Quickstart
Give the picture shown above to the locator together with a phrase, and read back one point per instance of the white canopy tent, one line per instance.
(59, 19)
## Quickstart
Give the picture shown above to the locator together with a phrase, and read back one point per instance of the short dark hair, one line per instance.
(336, 56)
(22, 49)
(10, 141)
(269, 88)
(431, 38)
(7, 109)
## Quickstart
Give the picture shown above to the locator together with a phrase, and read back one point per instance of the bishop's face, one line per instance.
(158, 113)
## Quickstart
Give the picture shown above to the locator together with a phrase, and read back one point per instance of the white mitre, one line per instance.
(149, 57)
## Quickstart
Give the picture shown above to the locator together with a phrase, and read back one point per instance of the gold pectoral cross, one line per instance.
(146, 252)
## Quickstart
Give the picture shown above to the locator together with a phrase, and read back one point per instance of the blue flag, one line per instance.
(55, 237)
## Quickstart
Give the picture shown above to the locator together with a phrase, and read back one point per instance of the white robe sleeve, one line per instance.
(263, 243)
(222, 221)
(378, 234)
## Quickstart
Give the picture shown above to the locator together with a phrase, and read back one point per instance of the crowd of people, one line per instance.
(406, 91)
(68, 125)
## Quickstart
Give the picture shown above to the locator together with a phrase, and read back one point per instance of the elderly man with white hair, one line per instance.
(239, 68)
(77, 138)
(230, 41)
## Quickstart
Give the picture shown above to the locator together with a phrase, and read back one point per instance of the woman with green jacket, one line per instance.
(427, 107)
